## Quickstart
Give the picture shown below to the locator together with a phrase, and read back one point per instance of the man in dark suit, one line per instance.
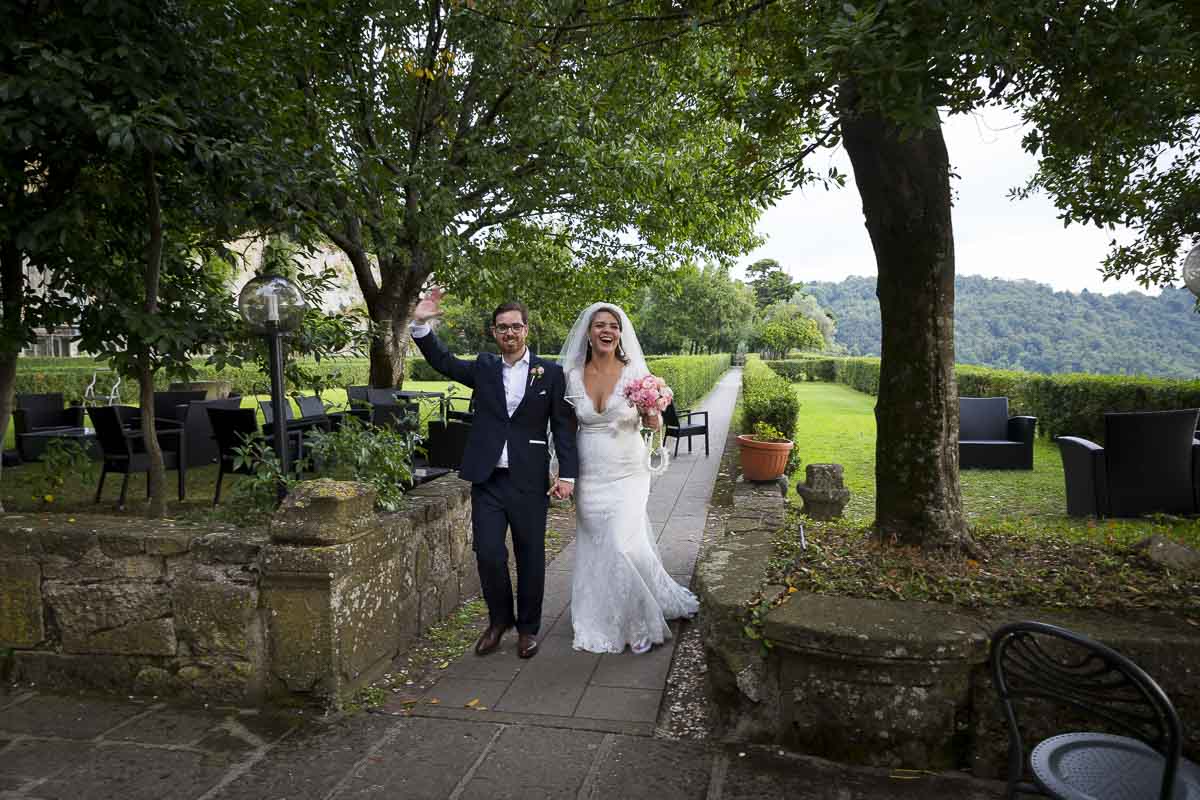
(507, 461)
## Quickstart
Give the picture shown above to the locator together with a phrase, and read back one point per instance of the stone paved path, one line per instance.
(562, 725)
(567, 688)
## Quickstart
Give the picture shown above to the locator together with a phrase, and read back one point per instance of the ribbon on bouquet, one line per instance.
(664, 459)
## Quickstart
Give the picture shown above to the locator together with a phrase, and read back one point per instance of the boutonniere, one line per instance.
(535, 373)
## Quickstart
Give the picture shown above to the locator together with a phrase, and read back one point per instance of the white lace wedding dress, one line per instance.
(620, 593)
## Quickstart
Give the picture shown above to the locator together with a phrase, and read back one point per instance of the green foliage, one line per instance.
(1027, 326)
(1065, 405)
(61, 459)
(667, 320)
(256, 494)
(768, 398)
(770, 282)
(785, 327)
(71, 376)
(379, 457)
(690, 377)
(766, 432)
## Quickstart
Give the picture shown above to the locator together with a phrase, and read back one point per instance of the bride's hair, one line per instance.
(624, 359)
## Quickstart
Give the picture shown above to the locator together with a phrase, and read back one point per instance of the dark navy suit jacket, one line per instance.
(525, 431)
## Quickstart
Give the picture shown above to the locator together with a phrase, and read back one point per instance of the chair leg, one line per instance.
(689, 444)
(124, 489)
(182, 482)
(100, 486)
(706, 444)
(676, 447)
(220, 475)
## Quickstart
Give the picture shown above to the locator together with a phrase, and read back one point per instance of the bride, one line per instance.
(620, 593)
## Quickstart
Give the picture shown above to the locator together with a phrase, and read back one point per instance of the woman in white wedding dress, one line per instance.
(620, 593)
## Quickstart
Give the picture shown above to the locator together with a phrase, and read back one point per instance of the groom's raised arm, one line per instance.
(440, 358)
(563, 425)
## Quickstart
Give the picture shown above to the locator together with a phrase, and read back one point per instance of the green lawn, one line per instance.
(837, 424)
(24, 488)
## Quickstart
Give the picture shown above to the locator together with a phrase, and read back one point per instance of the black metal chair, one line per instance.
(1149, 463)
(311, 405)
(462, 415)
(1139, 754)
(124, 450)
(688, 429)
(268, 410)
(41, 412)
(988, 438)
(233, 428)
(197, 427)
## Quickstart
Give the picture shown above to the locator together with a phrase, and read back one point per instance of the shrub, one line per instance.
(1071, 404)
(768, 398)
(690, 377)
(379, 457)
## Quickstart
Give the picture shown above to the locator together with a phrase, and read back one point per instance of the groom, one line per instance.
(507, 461)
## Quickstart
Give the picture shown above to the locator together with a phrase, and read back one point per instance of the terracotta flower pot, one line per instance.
(763, 461)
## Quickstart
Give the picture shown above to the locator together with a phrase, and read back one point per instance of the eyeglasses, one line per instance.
(516, 327)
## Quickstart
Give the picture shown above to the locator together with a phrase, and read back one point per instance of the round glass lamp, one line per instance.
(271, 303)
(1191, 271)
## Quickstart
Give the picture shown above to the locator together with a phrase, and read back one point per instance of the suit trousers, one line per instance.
(498, 506)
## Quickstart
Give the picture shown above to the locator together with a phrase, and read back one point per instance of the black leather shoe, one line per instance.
(490, 639)
(527, 645)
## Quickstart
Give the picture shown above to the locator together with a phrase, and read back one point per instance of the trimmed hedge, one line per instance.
(690, 377)
(768, 397)
(1070, 404)
(72, 376)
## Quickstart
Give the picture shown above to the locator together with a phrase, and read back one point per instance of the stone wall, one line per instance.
(312, 608)
(886, 683)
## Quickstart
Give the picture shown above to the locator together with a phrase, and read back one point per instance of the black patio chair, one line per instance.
(233, 428)
(688, 429)
(311, 405)
(124, 450)
(268, 410)
(988, 438)
(1137, 756)
(466, 414)
(1148, 464)
(41, 412)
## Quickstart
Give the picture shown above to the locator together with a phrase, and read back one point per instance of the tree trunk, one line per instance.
(12, 290)
(904, 182)
(156, 476)
(387, 350)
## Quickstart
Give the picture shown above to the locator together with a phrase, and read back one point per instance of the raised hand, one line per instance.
(430, 306)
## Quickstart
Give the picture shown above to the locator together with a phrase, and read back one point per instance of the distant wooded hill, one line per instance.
(1029, 326)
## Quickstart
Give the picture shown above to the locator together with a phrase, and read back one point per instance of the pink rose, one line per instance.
(663, 402)
(648, 382)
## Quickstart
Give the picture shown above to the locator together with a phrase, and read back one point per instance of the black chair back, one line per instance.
(41, 410)
(402, 417)
(232, 427)
(1148, 460)
(381, 397)
(671, 416)
(166, 404)
(983, 419)
(357, 395)
(110, 432)
(311, 406)
(1046, 663)
(268, 409)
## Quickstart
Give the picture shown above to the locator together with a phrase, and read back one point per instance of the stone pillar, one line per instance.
(333, 581)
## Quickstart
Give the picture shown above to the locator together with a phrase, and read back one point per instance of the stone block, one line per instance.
(69, 541)
(228, 547)
(1168, 554)
(169, 544)
(324, 512)
(215, 617)
(430, 609)
(119, 544)
(151, 637)
(18, 539)
(87, 609)
(824, 492)
(300, 632)
(21, 604)
(94, 565)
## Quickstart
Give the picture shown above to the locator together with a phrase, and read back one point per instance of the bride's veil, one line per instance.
(574, 350)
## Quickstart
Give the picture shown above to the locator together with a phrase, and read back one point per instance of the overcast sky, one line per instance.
(819, 235)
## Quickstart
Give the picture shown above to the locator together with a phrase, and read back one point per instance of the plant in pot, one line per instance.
(764, 453)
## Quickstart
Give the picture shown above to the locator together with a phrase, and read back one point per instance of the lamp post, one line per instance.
(1191, 271)
(273, 307)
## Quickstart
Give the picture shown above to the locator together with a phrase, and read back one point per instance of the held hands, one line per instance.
(561, 490)
(430, 306)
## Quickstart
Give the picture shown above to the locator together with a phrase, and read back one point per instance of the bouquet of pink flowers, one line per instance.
(651, 393)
